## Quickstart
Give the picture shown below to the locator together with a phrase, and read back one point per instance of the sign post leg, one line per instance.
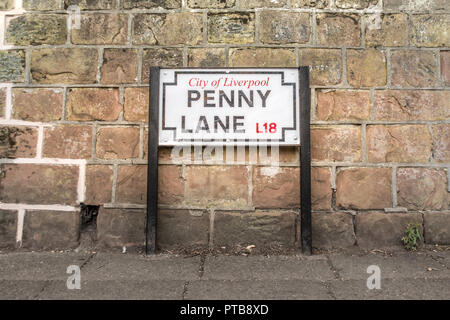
(305, 162)
(152, 171)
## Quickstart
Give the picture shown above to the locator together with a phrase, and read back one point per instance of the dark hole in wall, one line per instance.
(88, 216)
(88, 228)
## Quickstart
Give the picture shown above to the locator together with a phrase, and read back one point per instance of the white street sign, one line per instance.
(229, 107)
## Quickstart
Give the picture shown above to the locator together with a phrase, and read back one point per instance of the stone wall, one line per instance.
(73, 108)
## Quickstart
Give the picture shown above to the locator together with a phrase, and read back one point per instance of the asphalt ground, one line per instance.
(421, 275)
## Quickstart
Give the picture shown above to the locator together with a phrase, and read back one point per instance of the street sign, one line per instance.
(229, 107)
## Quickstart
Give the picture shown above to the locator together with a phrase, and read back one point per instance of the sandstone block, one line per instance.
(363, 188)
(43, 105)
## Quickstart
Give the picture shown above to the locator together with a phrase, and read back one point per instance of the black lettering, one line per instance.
(217, 122)
(241, 95)
(264, 97)
(222, 96)
(206, 99)
(190, 98)
(183, 125)
(202, 125)
(236, 124)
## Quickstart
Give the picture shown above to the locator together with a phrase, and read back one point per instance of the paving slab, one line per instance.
(110, 266)
(21, 289)
(38, 265)
(256, 290)
(262, 268)
(404, 265)
(392, 289)
(116, 290)
(42, 275)
(442, 257)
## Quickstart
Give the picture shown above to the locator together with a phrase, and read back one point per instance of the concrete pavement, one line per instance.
(42, 275)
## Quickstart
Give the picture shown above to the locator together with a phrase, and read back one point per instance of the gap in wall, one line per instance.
(88, 227)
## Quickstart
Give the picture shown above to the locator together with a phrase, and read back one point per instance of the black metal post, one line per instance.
(152, 171)
(305, 161)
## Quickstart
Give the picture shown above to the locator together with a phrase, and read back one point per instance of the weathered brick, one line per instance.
(206, 57)
(231, 27)
(119, 66)
(261, 57)
(325, 65)
(366, 68)
(276, 187)
(431, 30)
(321, 192)
(23, 183)
(117, 143)
(422, 188)
(8, 228)
(441, 142)
(136, 104)
(377, 230)
(388, 30)
(101, 28)
(41, 104)
(445, 67)
(6, 5)
(40, 5)
(2, 101)
(288, 154)
(411, 105)
(99, 180)
(415, 5)
(161, 151)
(132, 184)
(18, 142)
(399, 143)
(51, 229)
(437, 228)
(168, 29)
(162, 57)
(218, 186)
(338, 29)
(182, 228)
(37, 29)
(262, 229)
(355, 4)
(282, 27)
(208, 4)
(319, 4)
(363, 188)
(149, 4)
(12, 65)
(414, 68)
(336, 143)
(164, 153)
(342, 105)
(117, 228)
(67, 141)
(64, 65)
(91, 4)
(250, 4)
(89, 104)
(170, 185)
(332, 230)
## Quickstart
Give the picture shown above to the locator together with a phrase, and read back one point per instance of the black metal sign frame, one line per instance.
(305, 160)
